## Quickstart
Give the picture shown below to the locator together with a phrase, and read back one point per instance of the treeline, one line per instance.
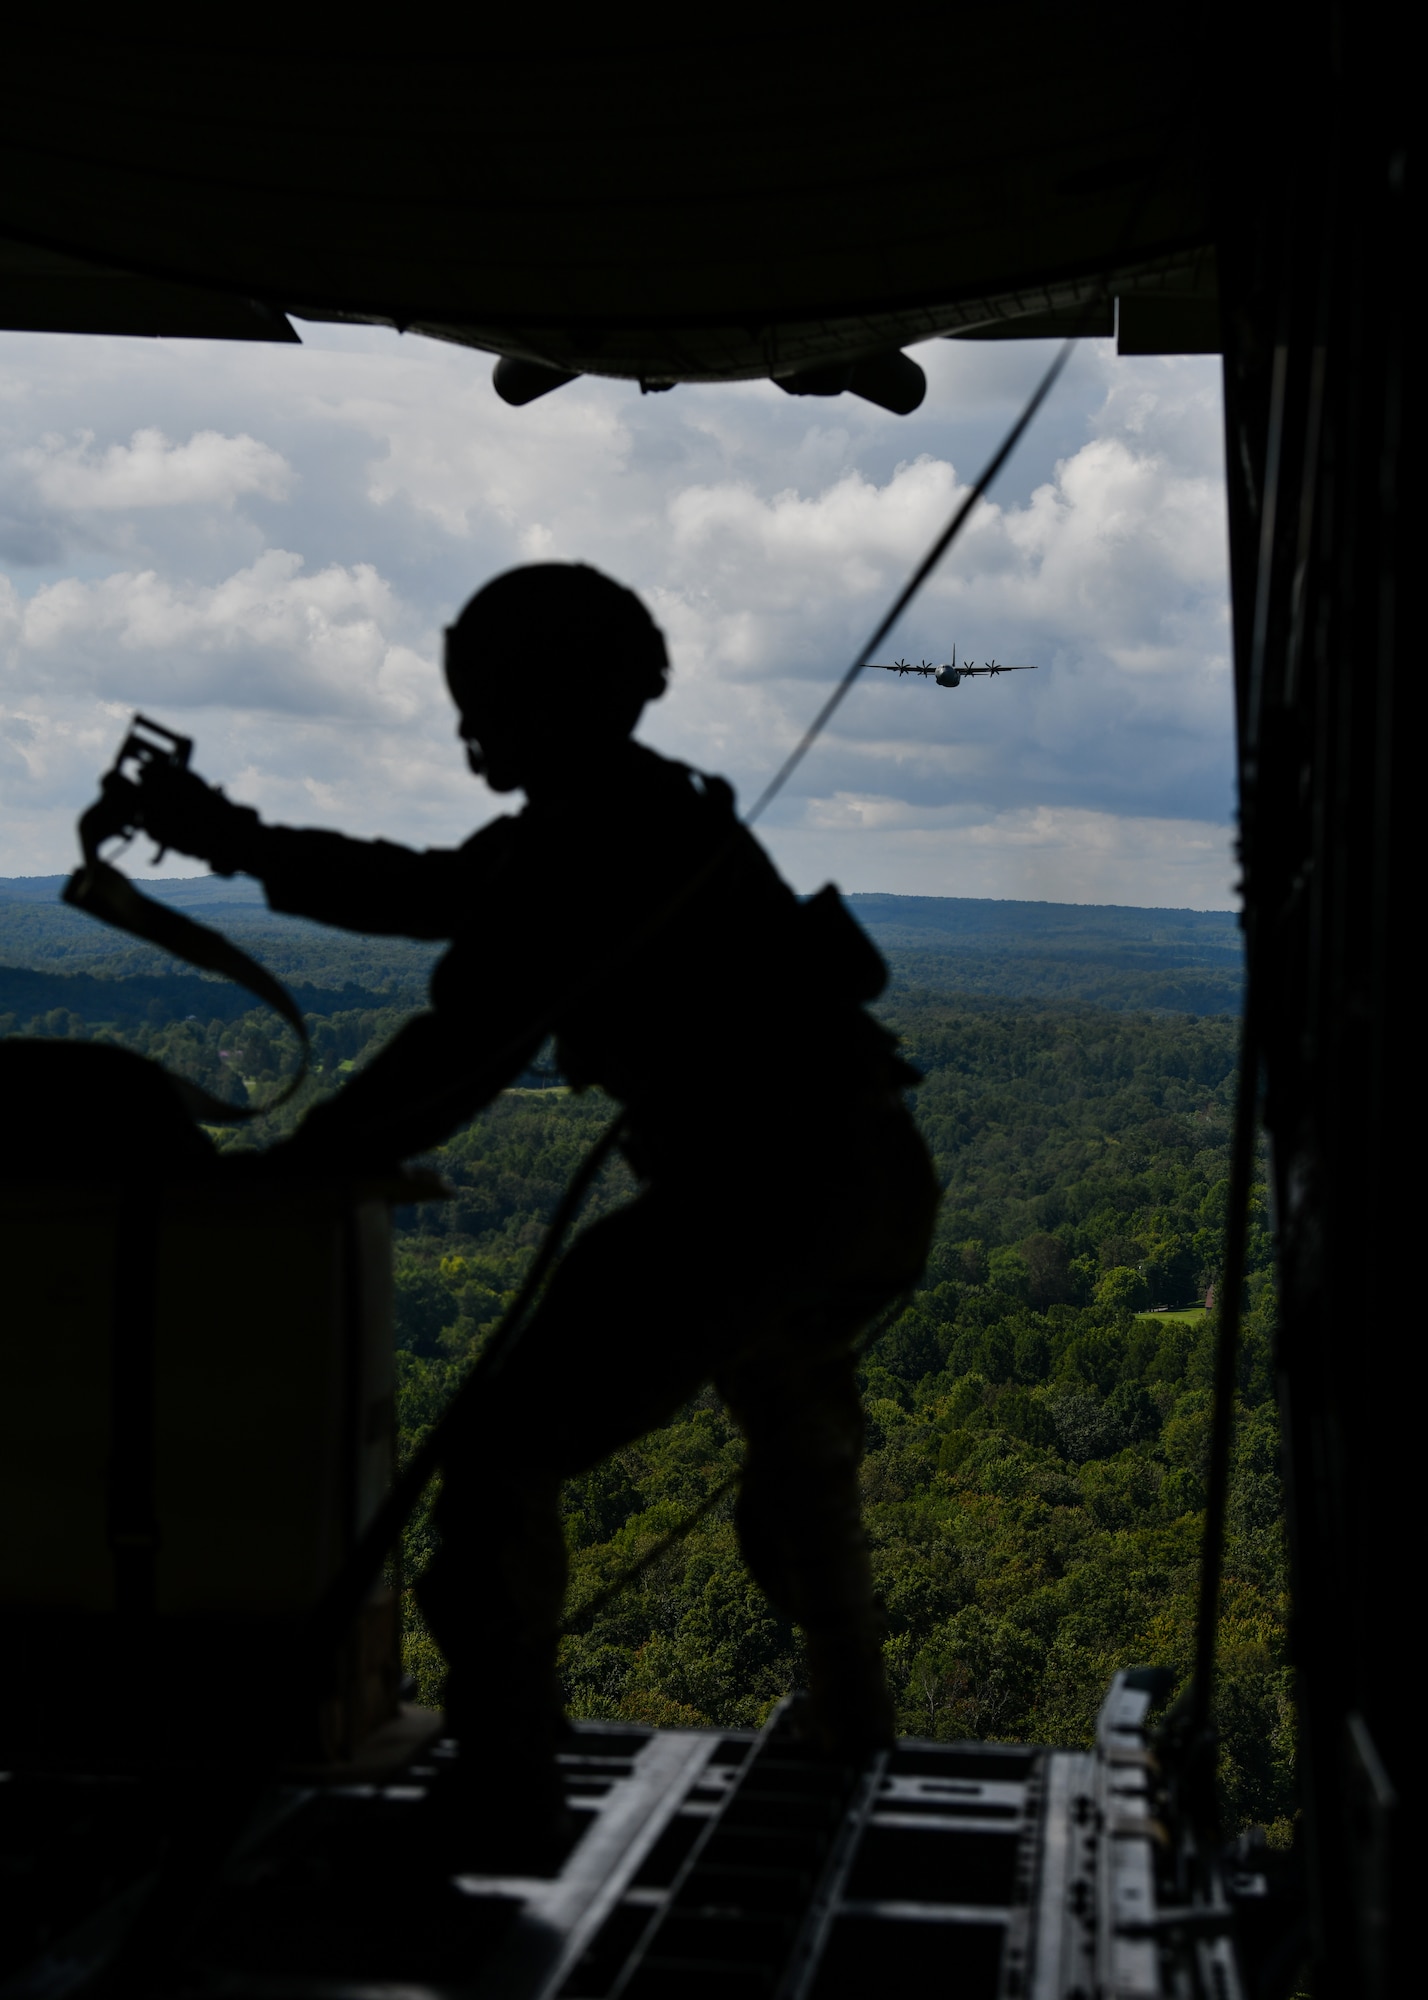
(47, 936)
(242, 1057)
(1068, 1134)
(1181, 961)
(1162, 985)
(84, 1001)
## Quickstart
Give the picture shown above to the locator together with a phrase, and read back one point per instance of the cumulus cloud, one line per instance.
(210, 470)
(268, 637)
(1109, 577)
(277, 585)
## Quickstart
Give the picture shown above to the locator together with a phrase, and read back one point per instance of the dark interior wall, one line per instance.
(1314, 264)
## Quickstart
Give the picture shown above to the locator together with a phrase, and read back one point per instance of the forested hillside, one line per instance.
(1038, 1417)
(1037, 1432)
(41, 934)
(1185, 961)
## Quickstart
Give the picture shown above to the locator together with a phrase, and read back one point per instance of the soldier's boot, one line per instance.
(849, 1714)
(499, 1808)
(492, 1596)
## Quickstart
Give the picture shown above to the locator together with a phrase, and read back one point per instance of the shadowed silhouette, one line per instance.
(787, 1197)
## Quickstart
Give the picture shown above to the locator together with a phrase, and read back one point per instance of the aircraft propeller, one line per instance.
(949, 675)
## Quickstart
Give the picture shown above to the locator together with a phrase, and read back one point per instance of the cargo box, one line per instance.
(197, 1418)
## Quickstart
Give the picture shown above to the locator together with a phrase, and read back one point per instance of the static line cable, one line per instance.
(1227, 1347)
(914, 584)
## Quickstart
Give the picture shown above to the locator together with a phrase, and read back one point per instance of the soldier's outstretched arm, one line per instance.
(362, 885)
(429, 1079)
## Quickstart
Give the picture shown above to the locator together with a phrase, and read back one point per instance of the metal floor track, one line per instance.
(699, 1862)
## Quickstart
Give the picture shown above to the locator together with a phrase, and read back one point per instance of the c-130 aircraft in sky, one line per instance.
(948, 676)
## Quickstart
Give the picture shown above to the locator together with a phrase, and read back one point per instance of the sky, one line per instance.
(259, 546)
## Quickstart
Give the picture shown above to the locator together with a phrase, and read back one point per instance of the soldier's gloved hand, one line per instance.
(179, 810)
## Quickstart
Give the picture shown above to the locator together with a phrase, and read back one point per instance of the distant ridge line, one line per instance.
(993, 949)
(202, 889)
(179, 889)
(1044, 903)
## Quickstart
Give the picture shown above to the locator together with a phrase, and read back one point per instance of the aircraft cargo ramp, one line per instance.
(704, 1862)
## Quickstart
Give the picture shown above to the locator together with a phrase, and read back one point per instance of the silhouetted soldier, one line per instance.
(787, 1197)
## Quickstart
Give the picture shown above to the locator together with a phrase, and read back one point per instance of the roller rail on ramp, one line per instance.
(700, 1862)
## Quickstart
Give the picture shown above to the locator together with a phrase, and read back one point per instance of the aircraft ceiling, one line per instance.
(659, 202)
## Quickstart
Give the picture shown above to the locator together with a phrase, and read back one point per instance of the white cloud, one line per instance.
(465, 458)
(268, 637)
(1109, 577)
(299, 642)
(210, 470)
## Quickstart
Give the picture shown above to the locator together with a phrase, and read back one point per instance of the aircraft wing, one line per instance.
(901, 667)
(1026, 667)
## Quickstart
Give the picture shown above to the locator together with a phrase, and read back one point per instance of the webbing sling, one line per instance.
(98, 888)
(101, 891)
